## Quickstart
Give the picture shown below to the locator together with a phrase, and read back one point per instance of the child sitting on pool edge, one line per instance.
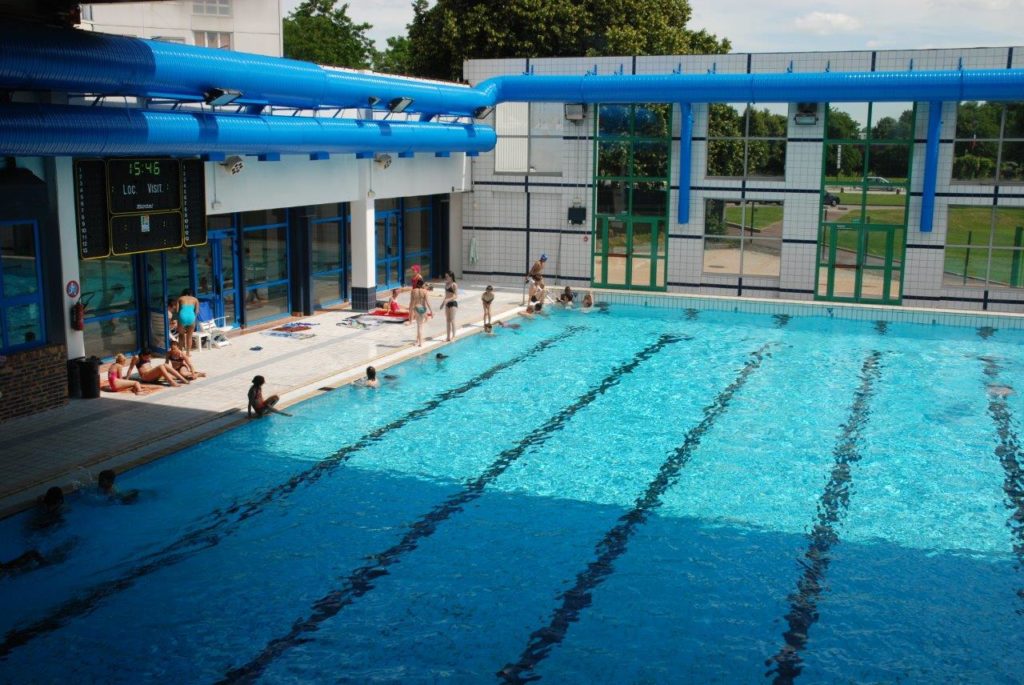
(261, 407)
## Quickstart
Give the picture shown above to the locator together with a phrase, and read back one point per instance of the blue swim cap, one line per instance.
(543, 258)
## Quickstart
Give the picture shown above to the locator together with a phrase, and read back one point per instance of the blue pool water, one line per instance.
(645, 496)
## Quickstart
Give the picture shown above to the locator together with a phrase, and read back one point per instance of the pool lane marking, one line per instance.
(361, 580)
(613, 544)
(1009, 453)
(195, 541)
(832, 507)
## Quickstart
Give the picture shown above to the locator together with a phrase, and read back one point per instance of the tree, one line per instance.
(443, 36)
(317, 31)
(396, 59)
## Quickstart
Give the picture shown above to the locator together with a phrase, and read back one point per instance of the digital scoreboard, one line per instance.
(127, 206)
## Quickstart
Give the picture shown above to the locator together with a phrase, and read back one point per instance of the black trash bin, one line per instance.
(89, 374)
(74, 377)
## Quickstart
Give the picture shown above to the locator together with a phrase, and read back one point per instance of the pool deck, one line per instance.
(68, 446)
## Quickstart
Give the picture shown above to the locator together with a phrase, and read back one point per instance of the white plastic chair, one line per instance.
(211, 328)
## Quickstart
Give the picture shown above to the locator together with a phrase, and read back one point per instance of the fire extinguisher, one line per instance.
(78, 314)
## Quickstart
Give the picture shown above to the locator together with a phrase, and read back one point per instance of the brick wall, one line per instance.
(33, 381)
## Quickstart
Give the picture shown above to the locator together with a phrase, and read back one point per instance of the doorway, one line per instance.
(389, 249)
(860, 263)
(629, 253)
(215, 271)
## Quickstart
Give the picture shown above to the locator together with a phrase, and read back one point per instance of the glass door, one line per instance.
(860, 263)
(389, 250)
(626, 251)
(611, 250)
(643, 242)
(215, 276)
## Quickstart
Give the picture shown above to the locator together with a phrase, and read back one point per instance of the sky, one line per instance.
(801, 25)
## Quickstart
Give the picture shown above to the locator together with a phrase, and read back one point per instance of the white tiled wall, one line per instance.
(507, 241)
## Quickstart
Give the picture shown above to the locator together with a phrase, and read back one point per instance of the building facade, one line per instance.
(243, 25)
(799, 200)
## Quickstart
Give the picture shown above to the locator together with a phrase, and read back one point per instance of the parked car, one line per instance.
(831, 200)
(879, 182)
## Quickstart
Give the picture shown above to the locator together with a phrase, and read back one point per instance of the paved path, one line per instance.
(70, 445)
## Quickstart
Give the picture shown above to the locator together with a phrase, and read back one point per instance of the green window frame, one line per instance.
(632, 187)
(984, 247)
(745, 141)
(988, 147)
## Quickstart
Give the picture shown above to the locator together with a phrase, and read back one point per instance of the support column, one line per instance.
(931, 166)
(685, 151)
(364, 264)
(64, 182)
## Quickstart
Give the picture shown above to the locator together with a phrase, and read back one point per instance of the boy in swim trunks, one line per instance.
(487, 298)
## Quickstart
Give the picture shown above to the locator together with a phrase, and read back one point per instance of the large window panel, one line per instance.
(745, 141)
(985, 247)
(650, 198)
(652, 121)
(650, 158)
(266, 255)
(989, 144)
(613, 120)
(529, 138)
(847, 121)
(613, 158)
(21, 304)
(417, 231)
(743, 237)
(613, 197)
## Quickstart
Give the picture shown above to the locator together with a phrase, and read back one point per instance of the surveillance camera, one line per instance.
(233, 164)
(383, 160)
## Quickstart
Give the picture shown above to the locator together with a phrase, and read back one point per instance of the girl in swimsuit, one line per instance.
(487, 298)
(188, 307)
(420, 304)
(152, 373)
(179, 360)
(393, 307)
(450, 303)
(116, 381)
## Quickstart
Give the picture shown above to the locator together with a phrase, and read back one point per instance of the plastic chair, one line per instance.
(212, 327)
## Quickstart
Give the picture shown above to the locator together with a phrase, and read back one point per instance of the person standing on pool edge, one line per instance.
(487, 298)
(188, 309)
(450, 303)
(538, 268)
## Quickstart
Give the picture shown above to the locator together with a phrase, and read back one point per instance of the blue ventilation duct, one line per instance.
(40, 58)
(882, 86)
(52, 130)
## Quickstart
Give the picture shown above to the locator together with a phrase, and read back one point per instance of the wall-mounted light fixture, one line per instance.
(221, 96)
(482, 112)
(382, 159)
(233, 164)
(372, 101)
(399, 104)
(806, 114)
(575, 111)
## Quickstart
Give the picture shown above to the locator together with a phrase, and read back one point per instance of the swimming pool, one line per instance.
(642, 496)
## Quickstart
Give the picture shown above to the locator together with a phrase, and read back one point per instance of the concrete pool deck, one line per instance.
(68, 446)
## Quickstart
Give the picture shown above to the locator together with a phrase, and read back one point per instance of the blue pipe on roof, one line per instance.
(51, 130)
(42, 58)
(881, 86)
(37, 58)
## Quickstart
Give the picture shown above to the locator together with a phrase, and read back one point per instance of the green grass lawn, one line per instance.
(762, 216)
